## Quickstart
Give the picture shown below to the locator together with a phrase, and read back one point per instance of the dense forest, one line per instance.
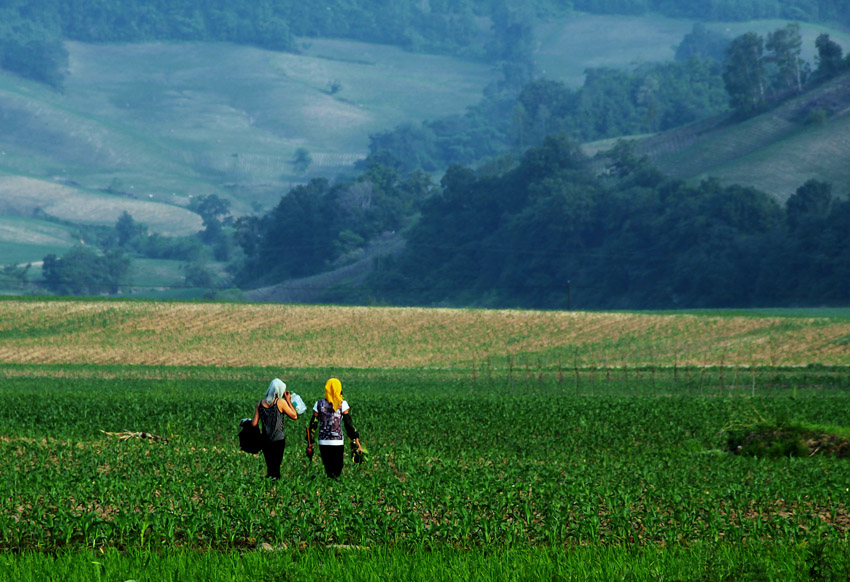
(549, 233)
(542, 231)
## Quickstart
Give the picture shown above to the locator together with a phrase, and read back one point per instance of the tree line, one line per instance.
(727, 10)
(548, 233)
(611, 103)
(541, 231)
(759, 72)
(711, 75)
(518, 218)
(32, 32)
(105, 264)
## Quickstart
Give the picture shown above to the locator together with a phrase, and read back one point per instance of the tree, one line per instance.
(784, 46)
(82, 271)
(128, 229)
(43, 60)
(211, 207)
(214, 211)
(828, 58)
(744, 73)
(301, 161)
(811, 201)
(16, 273)
(703, 44)
(624, 160)
(196, 274)
(297, 237)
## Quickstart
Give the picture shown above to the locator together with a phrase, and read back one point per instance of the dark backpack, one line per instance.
(250, 439)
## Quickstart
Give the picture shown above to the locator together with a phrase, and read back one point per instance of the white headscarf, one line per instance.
(276, 390)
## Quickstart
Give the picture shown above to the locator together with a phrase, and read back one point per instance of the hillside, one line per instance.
(807, 137)
(143, 128)
(166, 121)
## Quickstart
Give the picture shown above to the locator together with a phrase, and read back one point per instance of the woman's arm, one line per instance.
(285, 406)
(350, 430)
(256, 418)
(311, 431)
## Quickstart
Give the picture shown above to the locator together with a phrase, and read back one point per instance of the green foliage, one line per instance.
(82, 271)
(719, 561)
(612, 467)
(15, 276)
(301, 160)
(790, 71)
(197, 274)
(829, 61)
(702, 43)
(610, 103)
(768, 441)
(724, 10)
(744, 74)
(31, 44)
(529, 235)
(318, 223)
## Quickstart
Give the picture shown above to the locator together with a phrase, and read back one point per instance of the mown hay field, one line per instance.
(224, 334)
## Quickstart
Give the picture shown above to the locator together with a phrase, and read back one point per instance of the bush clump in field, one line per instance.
(766, 440)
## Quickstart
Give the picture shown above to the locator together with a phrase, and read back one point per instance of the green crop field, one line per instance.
(502, 446)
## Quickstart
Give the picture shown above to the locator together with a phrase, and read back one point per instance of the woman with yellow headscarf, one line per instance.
(330, 415)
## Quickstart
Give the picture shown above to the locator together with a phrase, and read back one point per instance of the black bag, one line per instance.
(250, 439)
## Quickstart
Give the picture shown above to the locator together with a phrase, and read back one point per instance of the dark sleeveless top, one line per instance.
(272, 420)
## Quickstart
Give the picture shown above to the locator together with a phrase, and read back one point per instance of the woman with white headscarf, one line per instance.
(275, 403)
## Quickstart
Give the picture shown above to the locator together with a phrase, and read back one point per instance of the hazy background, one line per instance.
(147, 127)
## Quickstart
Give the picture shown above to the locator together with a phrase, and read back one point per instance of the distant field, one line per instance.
(217, 334)
(26, 240)
(22, 196)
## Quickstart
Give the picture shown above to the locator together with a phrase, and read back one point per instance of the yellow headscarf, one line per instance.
(333, 392)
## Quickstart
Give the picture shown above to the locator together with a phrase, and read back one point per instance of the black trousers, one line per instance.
(332, 456)
(273, 453)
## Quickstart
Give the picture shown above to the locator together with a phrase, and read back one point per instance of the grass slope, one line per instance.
(168, 121)
(775, 152)
(145, 127)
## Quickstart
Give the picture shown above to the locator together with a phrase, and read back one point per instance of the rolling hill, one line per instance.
(806, 137)
(144, 128)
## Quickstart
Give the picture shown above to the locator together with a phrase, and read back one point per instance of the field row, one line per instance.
(451, 463)
(206, 334)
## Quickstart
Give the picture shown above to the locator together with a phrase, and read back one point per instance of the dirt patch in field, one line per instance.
(767, 441)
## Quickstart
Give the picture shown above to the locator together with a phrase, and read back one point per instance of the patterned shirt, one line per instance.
(330, 422)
